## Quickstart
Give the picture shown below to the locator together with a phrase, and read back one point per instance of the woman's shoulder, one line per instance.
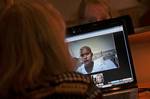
(76, 84)
(69, 85)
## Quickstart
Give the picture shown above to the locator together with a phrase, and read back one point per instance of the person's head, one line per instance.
(99, 78)
(32, 46)
(86, 55)
(93, 10)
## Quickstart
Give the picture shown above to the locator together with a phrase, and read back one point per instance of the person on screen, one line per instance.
(32, 36)
(89, 65)
(98, 79)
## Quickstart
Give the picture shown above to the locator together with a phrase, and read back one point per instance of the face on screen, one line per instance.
(86, 56)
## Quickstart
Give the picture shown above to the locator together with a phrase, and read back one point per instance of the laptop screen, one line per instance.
(101, 50)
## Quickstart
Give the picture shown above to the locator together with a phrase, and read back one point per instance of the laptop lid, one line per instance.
(101, 50)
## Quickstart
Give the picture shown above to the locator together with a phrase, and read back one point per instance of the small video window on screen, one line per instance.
(94, 54)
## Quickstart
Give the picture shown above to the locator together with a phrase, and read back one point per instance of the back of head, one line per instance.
(32, 46)
(102, 8)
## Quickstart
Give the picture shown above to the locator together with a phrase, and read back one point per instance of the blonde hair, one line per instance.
(32, 46)
(5, 4)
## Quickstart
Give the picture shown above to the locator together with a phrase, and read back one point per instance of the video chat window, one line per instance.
(98, 53)
(100, 50)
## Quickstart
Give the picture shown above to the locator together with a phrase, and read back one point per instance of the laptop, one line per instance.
(112, 68)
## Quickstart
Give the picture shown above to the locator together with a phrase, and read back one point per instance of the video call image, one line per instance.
(98, 79)
(95, 54)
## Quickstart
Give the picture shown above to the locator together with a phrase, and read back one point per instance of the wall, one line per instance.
(140, 49)
(68, 8)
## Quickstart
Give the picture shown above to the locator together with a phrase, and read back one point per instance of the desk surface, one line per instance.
(144, 95)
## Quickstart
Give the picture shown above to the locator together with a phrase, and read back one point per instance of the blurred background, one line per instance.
(139, 11)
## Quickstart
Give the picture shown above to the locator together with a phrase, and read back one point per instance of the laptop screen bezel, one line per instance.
(124, 21)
